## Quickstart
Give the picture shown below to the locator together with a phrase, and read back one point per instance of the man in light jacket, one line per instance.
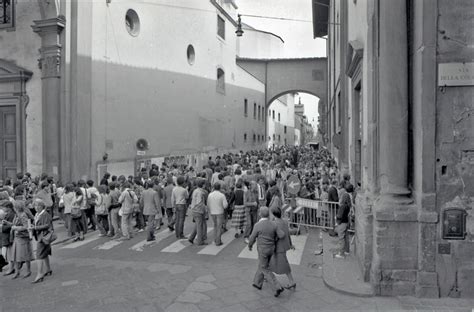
(127, 199)
(217, 204)
(179, 198)
(151, 204)
(199, 211)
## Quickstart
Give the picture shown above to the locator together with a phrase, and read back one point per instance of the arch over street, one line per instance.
(282, 76)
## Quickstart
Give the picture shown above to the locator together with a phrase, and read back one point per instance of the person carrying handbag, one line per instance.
(101, 210)
(43, 233)
(128, 199)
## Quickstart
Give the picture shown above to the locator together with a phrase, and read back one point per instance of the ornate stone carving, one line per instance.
(50, 66)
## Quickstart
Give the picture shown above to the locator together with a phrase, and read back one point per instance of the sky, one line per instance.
(298, 35)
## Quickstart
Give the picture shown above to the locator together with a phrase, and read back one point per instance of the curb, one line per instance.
(342, 291)
(329, 272)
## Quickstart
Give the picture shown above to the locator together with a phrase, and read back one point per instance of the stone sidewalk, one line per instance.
(343, 275)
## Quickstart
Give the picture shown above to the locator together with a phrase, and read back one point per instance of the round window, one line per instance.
(132, 22)
(191, 55)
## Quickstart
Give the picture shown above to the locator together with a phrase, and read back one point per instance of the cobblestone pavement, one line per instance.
(103, 276)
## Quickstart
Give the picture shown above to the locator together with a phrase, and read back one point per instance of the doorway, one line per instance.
(8, 142)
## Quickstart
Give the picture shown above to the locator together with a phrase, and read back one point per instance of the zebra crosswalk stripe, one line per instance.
(108, 245)
(81, 243)
(294, 256)
(158, 238)
(180, 244)
(213, 250)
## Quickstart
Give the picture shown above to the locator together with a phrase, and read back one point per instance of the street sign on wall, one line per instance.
(455, 74)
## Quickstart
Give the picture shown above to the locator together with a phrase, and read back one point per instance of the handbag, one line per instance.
(49, 237)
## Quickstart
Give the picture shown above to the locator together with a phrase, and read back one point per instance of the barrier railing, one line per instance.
(311, 213)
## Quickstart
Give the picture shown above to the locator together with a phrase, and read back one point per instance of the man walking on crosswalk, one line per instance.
(217, 204)
(265, 233)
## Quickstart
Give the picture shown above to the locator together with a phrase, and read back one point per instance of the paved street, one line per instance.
(98, 274)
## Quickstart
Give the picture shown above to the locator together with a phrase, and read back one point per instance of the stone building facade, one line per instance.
(399, 119)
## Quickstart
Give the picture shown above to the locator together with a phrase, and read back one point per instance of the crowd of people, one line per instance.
(235, 189)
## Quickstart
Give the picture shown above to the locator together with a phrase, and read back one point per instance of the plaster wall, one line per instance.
(20, 46)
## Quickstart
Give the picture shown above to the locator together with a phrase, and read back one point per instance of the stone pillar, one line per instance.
(394, 264)
(49, 63)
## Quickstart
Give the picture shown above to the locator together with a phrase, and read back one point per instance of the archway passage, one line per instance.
(287, 76)
(292, 119)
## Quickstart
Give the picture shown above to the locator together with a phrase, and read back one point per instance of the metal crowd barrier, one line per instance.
(311, 213)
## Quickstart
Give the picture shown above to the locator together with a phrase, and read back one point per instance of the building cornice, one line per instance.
(223, 12)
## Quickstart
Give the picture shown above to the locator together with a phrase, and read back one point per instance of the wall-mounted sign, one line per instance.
(455, 74)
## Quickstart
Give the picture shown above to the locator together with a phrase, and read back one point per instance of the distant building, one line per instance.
(281, 123)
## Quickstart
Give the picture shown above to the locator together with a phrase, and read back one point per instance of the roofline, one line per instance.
(279, 59)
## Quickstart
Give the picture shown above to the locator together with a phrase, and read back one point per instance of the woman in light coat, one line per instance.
(279, 262)
(42, 229)
(22, 249)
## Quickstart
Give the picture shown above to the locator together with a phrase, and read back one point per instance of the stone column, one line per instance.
(394, 263)
(49, 63)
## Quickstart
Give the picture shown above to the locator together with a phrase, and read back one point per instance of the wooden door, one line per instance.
(8, 142)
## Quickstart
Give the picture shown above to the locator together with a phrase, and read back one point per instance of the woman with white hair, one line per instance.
(44, 235)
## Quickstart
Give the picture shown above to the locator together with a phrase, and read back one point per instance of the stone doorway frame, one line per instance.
(13, 80)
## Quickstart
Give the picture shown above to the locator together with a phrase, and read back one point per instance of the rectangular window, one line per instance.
(273, 115)
(7, 13)
(278, 117)
(221, 27)
(254, 110)
(246, 107)
(258, 113)
(284, 129)
(245, 137)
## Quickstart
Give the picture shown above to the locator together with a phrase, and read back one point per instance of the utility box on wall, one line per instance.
(454, 223)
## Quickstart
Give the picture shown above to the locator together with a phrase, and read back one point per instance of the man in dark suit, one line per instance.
(265, 234)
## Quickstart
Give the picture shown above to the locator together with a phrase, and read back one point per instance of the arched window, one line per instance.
(245, 137)
(220, 87)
